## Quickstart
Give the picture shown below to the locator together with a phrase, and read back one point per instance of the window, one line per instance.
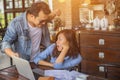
(13, 8)
(2, 22)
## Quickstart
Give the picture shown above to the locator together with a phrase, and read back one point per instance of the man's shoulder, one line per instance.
(19, 18)
(18, 21)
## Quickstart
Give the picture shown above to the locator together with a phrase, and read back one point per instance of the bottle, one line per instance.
(104, 23)
(96, 23)
(117, 22)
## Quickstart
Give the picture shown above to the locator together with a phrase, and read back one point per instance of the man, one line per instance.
(27, 32)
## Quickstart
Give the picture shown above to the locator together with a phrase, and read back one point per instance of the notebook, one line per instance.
(24, 69)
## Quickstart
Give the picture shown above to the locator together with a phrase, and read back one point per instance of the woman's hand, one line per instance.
(65, 48)
(63, 53)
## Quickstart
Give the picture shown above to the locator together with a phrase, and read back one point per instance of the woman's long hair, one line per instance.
(71, 38)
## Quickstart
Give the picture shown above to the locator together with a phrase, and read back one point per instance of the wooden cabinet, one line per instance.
(99, 47)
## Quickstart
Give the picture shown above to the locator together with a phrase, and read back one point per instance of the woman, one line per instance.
(64, 54)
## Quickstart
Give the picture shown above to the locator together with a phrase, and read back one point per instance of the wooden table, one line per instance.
(11, 73)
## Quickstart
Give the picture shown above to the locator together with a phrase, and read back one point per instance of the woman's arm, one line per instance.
(68, 63)
(44, 54)
(45, 63)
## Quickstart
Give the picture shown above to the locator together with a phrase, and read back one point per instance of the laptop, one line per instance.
(24, 69)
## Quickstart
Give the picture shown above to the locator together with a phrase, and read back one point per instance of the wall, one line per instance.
(75, 12)
(70, 11)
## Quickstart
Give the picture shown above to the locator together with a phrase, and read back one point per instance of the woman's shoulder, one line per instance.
(52, 45)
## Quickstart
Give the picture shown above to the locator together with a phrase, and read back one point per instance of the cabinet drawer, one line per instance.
(89, 40)
(101, 41)
(112, 42)
(90, 53)
(92, 68)
(111, 56)
(114, 73)
(104, 55)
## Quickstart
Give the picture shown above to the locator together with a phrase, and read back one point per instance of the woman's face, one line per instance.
(61, 42)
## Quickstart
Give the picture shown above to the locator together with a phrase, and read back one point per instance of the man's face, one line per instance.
(40, 20)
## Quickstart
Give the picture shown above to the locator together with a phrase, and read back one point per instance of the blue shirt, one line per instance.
(67, 63)
(17, 34)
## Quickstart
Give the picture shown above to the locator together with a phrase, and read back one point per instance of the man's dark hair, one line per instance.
(37, 7)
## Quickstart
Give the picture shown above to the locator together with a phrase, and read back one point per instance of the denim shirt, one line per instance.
(17, 34)
(66, 64)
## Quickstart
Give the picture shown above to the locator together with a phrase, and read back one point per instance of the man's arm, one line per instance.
(10, 53)
(53, 14)
(9, 39)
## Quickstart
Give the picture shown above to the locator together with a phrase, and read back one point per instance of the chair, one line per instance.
(2, 31)
(112, 70)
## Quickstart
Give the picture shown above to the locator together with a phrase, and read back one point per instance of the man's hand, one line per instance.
(16, 54)
(53, 14)
(10, 53)
(57, 12)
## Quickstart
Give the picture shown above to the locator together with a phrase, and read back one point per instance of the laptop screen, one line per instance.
(23, 67)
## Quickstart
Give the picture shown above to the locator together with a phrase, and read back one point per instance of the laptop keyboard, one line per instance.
(38, 71)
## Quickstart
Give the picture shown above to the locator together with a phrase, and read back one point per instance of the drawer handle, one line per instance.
(101, 55)
(101, 69)
(101, 41)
